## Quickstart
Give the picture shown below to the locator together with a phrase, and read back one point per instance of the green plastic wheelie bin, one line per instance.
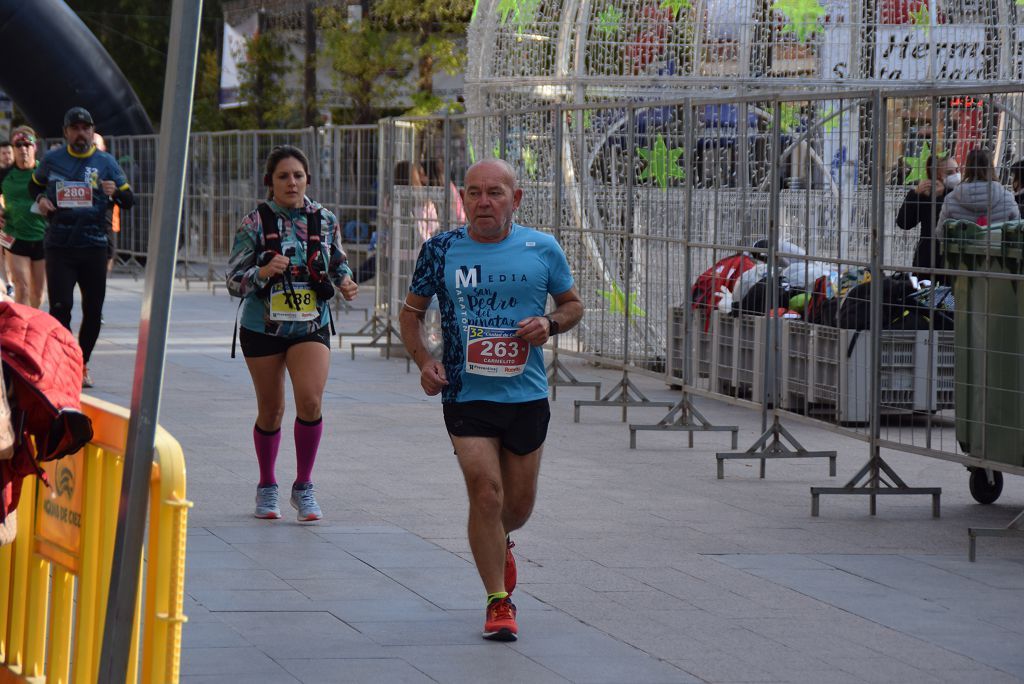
(989, 357)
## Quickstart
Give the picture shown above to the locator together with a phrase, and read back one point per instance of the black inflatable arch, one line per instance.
(51, 62)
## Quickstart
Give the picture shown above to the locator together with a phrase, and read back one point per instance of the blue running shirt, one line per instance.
(72, 183)
(483, 291)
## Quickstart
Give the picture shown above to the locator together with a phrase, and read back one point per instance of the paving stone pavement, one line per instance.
(637, 566)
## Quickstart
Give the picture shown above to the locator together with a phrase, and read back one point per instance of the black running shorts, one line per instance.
(520, 428)
(33, 249)
(256, 344)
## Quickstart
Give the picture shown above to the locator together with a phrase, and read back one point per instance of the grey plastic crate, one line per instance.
(700, 354)
(841, 368)
(825, 371)
(796, 364)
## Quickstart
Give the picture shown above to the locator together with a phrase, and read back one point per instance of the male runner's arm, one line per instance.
(410, 321)
(37, 189)
(116, 187)
(568, 312)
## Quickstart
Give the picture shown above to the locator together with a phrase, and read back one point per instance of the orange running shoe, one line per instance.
(510, 567)
(500, 624)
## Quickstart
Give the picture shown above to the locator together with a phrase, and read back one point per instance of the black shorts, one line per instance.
(256, 344)
(520, 428)
(33, 249)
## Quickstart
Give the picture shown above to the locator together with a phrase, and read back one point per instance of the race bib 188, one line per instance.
(495, 351)
(297, 303)
(73, 194)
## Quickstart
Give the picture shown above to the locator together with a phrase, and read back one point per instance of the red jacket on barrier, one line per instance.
(42, 363)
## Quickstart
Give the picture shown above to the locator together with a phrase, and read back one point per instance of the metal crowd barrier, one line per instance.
(225, 182)
(645, 196)
(56, 575)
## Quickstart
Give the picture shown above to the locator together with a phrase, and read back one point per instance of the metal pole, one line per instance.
(556, 225)
(627, 242)
(687, 341)
(502, 143)
(175, 119)
(446, 160)
(557, 175)
(209, 209)
(879, 128)
(768, 389)
(395, 226)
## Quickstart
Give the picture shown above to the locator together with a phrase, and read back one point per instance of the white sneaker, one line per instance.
(305, 503)
(266, 502)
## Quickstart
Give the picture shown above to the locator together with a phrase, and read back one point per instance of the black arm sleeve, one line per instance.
(908, 215)
(124, 198)
(35, 190)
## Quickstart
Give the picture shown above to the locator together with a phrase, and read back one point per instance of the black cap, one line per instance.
(78, 115)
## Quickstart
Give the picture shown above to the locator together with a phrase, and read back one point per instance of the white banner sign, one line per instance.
(944, 53)
(233, 55)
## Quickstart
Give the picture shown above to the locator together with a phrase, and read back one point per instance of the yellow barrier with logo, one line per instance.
(55, 577)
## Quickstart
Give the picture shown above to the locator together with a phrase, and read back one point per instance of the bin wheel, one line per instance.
(981, 490)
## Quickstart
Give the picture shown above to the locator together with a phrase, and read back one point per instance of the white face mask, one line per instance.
(952, 181)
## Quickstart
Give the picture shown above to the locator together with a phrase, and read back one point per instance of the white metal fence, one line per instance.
(645, 197)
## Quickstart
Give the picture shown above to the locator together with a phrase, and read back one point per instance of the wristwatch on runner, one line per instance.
(552, 326)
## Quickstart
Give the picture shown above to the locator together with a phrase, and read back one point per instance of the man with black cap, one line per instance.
(76, 188)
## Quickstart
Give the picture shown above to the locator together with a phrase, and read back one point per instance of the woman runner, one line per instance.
(23, 229)
(287, 271)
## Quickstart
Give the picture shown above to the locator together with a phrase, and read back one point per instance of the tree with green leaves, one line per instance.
(434, 26)
(370, 64)
(206, 112)
(264, 79)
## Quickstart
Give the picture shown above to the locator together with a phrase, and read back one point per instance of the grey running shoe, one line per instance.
(305, 503)
(86, 378)
(266, 502)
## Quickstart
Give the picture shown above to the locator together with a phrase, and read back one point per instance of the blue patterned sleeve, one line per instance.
(425, 278)
(243, 273)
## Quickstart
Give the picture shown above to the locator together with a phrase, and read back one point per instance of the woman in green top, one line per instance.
(22, 228)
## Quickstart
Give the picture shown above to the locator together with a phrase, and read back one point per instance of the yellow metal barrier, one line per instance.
(54, 578)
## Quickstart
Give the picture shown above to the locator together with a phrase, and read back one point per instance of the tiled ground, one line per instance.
(638, 565)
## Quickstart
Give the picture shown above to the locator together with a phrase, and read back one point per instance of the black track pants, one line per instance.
(87, 268)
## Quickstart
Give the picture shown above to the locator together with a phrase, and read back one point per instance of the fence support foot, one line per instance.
(876, 478)
(684, 417)
(373, 326)
(1014, 529)
(559, 375)
(624, 394)
(341, 306)
(379, 328)
(770, 445)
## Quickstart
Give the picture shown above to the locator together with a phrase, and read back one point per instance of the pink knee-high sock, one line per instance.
(266, 453)
(307, 441)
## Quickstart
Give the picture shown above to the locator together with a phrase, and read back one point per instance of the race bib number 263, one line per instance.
(495, 351)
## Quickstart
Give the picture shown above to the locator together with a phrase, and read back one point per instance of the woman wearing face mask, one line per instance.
(980, 198)
(922, 206)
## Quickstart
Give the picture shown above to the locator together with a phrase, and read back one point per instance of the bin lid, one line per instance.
(1002, 241)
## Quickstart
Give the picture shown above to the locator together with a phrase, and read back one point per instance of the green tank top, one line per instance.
(22, 224)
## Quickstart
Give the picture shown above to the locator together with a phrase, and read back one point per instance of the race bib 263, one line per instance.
(495, 351)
